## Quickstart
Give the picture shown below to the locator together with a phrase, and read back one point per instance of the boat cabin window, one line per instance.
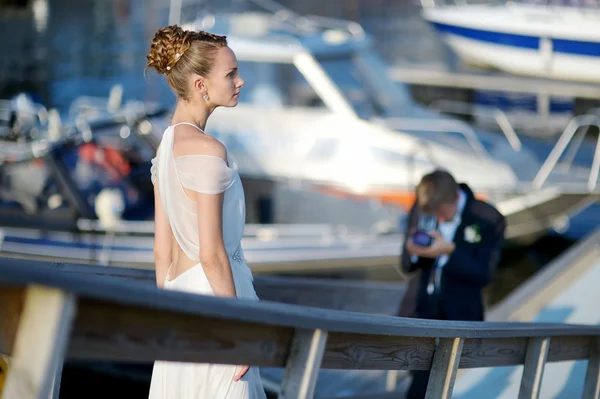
(362, 78)
(347, 77)
(270, 84)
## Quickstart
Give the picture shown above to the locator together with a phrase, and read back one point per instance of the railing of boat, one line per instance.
(440, 126)
(561, 145)
(499, 116)
(48, 316)
(574, 133)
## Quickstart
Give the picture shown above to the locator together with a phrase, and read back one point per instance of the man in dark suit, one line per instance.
(466, 239)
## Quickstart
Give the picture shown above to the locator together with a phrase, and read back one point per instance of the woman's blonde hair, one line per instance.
(177, 53)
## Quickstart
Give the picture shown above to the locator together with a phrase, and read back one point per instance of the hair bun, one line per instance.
(167, 47)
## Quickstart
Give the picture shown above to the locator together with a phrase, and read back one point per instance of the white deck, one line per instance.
(575, 300)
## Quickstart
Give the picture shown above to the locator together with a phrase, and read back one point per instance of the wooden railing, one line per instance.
(47, 316)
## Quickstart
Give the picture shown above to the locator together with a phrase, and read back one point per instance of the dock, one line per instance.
(74, 304)
(443, 77)
(586, 95)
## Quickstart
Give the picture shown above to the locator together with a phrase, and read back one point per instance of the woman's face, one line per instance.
(223, 83)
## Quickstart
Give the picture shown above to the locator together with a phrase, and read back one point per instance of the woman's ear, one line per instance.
(199, 84)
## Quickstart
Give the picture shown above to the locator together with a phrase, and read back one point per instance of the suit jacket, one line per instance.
(468, 270)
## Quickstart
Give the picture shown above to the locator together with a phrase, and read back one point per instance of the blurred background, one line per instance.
(347, 104)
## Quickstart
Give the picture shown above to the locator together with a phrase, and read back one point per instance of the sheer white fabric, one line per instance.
(208, 175)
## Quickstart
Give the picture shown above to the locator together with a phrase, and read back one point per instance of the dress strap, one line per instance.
(187, 123)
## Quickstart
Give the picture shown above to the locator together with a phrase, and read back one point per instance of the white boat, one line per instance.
(319, 106)
(542, 40)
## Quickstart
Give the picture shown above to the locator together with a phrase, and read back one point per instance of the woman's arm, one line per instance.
(213, 257)
(163, 240)
(205, 179)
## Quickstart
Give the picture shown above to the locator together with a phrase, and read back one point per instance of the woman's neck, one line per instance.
(191, 113)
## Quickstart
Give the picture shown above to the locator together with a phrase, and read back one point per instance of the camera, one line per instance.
(422, 238)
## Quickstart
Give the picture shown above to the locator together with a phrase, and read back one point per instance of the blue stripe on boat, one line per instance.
(522, 41)
(507, 39)
(576, 47)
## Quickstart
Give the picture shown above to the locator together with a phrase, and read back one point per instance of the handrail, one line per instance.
(428, 125)
(50, 316)
(473, 109)
(564, 140)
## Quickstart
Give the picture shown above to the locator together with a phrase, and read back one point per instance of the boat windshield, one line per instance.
(363, 80)
(276, 84)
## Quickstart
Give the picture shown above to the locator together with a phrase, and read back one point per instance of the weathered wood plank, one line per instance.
(303, 363)
(533, 370)
(569, 348)
(140, 334)
(40, 343)
(591, 387)
(479, 352)
(484, 352)
(373, 352)
(444, 367)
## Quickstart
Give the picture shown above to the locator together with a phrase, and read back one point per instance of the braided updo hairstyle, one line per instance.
(177, 53)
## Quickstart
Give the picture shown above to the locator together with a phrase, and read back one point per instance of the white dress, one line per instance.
(209, 175)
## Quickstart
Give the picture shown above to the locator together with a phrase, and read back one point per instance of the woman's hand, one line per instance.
(241, 373)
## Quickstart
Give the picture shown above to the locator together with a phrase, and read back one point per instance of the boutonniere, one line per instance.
(472, 234)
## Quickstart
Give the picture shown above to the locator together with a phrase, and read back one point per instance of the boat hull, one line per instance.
(283, 255)
(548, 43)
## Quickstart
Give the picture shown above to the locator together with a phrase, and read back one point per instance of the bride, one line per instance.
(199, 201)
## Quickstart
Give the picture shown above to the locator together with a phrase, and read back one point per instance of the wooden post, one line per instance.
(591, 387)
(391, 380)
(40, 343)
(303, 364)
(443, 368)
(533, 371)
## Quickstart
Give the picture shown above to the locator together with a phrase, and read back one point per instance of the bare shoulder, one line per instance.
(188, 141)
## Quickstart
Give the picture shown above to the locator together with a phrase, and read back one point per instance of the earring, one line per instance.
(205, 96)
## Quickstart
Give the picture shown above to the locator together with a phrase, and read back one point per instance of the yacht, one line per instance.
(319, 106)
(555, 41)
